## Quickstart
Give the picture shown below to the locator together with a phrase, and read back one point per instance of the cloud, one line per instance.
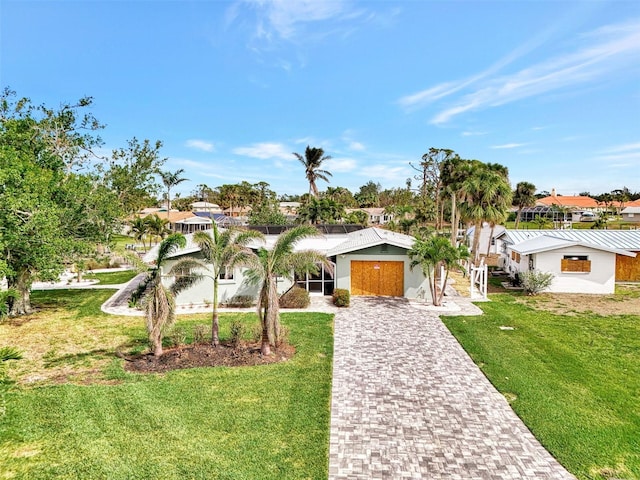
(628, 154)
(386, 172)
(508, 145)
(336, 165)
(623, 148)
(265, 151)
(472, 133)
(603, 52)
(200, 145)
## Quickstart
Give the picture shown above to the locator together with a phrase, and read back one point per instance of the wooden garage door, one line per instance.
(628, 268)
(377, 278)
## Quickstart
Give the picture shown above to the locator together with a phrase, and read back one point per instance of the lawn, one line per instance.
(111, 278)
(574, 379)
(77, 414)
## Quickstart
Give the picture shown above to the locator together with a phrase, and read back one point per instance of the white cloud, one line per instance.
(265, 151)
(472, 133)
(623, 148)
(609, 50)
(508, 145)
(200, 145)
(336, 165)
(384, 172)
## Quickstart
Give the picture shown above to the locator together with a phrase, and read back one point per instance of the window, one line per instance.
(575, 263)
(226, 274)
(515, 256)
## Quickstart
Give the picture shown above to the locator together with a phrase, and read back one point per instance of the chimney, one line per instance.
(553, 192)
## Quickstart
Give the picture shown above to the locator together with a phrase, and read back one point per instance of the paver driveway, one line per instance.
(408, 402)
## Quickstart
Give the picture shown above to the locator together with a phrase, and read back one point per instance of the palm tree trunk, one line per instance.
(476, 242)
(454, 221)
(444, 286)
(263, 305)
(215, 324)
(518, 217)
(493, 226)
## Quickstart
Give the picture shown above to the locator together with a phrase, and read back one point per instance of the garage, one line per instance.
(377, 278)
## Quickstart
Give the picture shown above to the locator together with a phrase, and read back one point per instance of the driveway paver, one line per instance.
(408, 402)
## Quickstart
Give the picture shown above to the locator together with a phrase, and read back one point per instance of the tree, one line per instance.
(429, 253)
(159, 300)
(368, 195)
(312, 161)
(340, 195)
(132, 174)
(170, 180)
(139, 229)
(523, 196)
(281, 261)
(38, 179)
(321, 210)
(157, 227)
(224, 251)
(430, 177)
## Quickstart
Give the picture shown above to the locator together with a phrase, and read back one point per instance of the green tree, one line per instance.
(170, 180)
(321, 210)
(159, 300)
(281, 261)
(429, 253)
(340, 195)
(368, 195)
(312, 161)
(224, 251)
(139, 229)
(38, 180)
(131, 173)
(523, 196)
(157, 227)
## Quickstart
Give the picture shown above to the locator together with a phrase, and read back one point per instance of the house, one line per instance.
(566, 208)
(205, 207)
(582, 261)
(631, 214)
(366, 262)
(375, 215)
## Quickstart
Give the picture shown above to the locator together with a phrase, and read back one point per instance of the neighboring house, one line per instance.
(487, 241)
(205, 207)
(376, 215)
(366, 262)
(582, 261)
(192, 224)
(631, 214)
(567, 208)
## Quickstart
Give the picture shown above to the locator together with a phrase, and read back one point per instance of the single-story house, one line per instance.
(631, 214)
(205, 207)
(582, 261)
(371, 261)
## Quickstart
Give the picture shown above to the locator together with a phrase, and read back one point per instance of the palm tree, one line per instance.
(224, 251)
(281, 261)
(430, 252)
(523, 196)
(157, 227)
(159, 300)
(171, 180)
(140, 228)
(312, 161)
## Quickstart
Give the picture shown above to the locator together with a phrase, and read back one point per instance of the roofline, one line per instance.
(570, 243)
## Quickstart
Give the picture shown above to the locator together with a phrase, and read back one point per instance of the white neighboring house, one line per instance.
(366, 262)
(581, 261)
(631, 214)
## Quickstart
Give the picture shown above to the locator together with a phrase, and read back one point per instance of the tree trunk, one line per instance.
(22, 304)
(215, 324)
(157, 346)
(454, 221)
(265, 346)
(518, 217)
(493, 227)
(476, 242)
(444, 286)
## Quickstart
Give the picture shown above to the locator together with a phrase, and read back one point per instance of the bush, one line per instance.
(240, 301)
(178, 336)
(295, 297)
(535, 281)
(236, 333)
(200, 333)
(341, 297)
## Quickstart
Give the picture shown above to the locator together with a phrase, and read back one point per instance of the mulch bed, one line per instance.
(204, 355)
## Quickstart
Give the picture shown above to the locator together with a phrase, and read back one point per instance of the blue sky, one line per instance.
(550, 89)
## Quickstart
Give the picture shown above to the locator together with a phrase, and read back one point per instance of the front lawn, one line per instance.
(573, 379)
(78, 414)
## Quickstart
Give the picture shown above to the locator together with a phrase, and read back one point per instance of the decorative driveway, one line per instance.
(408, 402)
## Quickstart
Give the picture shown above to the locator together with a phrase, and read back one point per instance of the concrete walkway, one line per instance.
(408, 402)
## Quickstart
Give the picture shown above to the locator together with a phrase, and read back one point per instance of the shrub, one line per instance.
(535, 281)
(295, 297)
(240, 301)
(283, 337)
(236, 333)
(200, 333)
(341, 297)
(178, 336)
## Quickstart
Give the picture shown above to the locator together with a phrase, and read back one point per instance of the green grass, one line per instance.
(266, 422)
(112, 278)
(574, 380)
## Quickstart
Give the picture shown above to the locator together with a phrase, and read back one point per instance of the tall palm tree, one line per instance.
(157, 227)
(430, 252)
(140, 228)
(312, 161)
(170, 180)
(224, 250)
(281, 261)
(159, 300)
(523, 196)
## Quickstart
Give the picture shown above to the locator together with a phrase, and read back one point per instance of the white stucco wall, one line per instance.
(415, 284)
(202, 292)
(600, 280)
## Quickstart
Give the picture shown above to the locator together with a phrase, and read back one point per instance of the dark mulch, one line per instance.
(204, 355)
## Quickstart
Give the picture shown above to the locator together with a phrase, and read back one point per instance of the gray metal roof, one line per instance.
(617, 239)
(631, 210)
(370, 237)
(546, 243)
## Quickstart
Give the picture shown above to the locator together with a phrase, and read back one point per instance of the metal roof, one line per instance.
(370, 237)
(546, 243)
(617, 239)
